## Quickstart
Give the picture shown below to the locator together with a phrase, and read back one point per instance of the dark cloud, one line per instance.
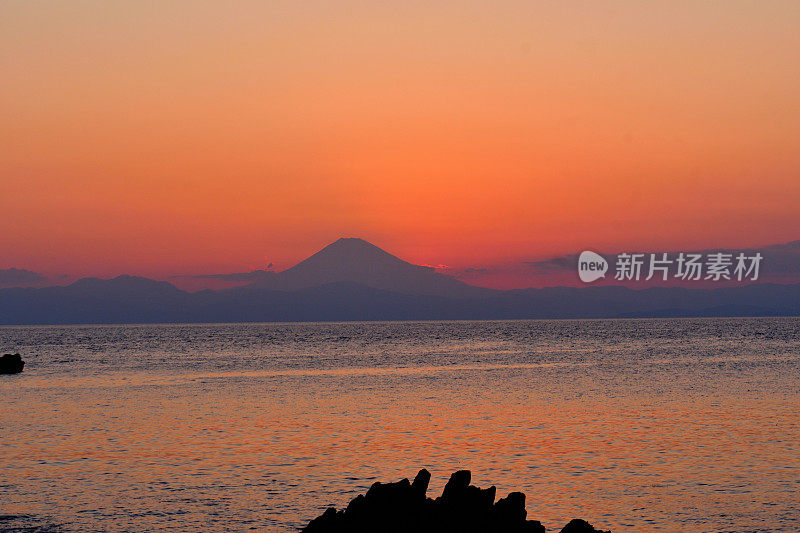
(556, 264)
(475, 272)
(780, 263)
(778, 259)
(11, 277)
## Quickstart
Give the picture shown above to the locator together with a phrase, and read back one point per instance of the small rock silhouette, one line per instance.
(402, 507)
(576, 525)
(11, 363)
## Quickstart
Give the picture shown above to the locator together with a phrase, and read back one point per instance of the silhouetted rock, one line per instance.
(421, 481)
(402, 507)
(11, 363)
(576, 525)
(511, 509)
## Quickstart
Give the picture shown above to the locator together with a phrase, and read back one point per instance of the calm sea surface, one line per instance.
(635, 425)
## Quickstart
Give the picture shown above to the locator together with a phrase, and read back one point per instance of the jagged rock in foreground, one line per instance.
(11, 363)
(403, 507)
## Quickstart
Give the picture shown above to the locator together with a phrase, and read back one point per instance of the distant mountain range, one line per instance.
(352, 279)
(357, 261)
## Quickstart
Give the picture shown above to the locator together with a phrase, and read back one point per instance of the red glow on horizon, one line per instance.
(183, 139)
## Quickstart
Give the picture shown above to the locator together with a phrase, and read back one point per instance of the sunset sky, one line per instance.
(189, 137)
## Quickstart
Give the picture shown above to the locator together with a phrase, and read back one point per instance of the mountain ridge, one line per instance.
(352, 279)
(356, 260)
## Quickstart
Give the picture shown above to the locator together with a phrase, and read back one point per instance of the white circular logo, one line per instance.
(591, 266)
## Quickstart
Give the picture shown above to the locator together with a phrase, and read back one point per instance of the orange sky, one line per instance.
(197, 137)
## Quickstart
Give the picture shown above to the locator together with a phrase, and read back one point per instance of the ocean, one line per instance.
(687, 425)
